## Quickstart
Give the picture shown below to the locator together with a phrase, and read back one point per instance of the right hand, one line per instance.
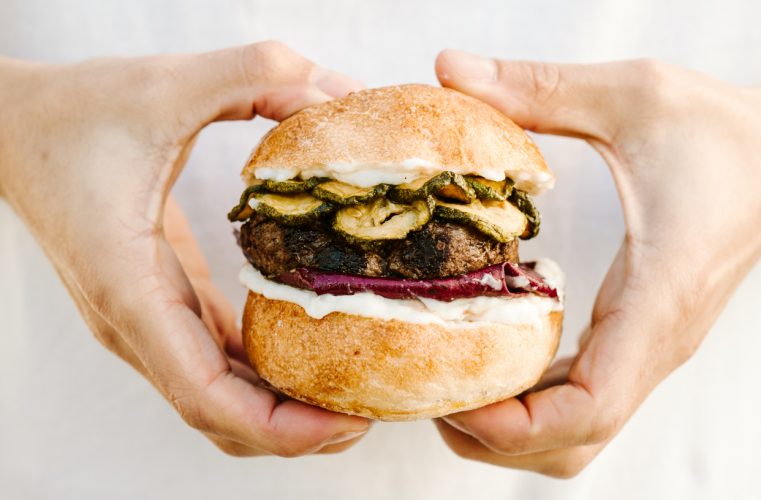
(685, 154)
(89, 154)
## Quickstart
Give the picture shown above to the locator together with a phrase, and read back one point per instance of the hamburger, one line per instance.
(381, 232)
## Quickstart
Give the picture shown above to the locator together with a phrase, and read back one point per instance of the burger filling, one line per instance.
(439, 249)
(444, 237)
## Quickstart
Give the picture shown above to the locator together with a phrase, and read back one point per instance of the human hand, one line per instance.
(89, 154)
(684, 154)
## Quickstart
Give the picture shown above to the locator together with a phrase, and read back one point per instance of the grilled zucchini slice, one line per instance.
(409, 191)
(242, 211)
(292, 186)
(499, 220)
(450, 186)
(346, 194)
(490, 190)
(446, 185)
(521, 200)
(291, 210)
(381, 220)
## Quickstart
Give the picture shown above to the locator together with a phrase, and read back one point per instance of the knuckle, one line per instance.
(656, 81)
(505, 441)
(687, 300)
(101, 330)
(604, 428)
(515, 446)
(278, 71)
(687, 349)
(289, 450)
(190, 413)
(270, 48)
(545, 80)
(231, 448)
(107, 337)
(267, 58)
(565, 469)
(99, 297)
(651, 71)
(464, 451)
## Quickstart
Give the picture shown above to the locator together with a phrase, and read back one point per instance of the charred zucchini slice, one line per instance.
(490, 190)
(499, 220)
(292, 210)
(409, 191)
(450, 186)
(346, 194)
(446, 186)
(293, 185)
(380, 220)
(521, 200)
(242, 210)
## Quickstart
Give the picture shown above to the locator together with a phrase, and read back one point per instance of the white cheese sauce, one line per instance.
(372, 174)
(526, 309)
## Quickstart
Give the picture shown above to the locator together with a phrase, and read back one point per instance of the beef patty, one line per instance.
(438, 250)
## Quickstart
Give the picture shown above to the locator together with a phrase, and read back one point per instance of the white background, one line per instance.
(76, 422)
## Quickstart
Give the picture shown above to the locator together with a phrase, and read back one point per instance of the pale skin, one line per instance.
(684, 153)
(103, 141)
(106, 139)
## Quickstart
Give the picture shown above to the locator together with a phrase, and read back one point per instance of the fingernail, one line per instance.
(471, 66)
(335, 84)
(342, 437)
(456, 424)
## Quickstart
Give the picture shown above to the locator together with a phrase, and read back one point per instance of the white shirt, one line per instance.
(76, 422)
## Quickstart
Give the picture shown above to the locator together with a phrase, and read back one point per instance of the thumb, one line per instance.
(265, 78)
(565, 99)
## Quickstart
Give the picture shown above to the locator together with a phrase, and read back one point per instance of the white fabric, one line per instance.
(77, 423)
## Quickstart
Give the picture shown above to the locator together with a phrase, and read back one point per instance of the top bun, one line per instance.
(423, 128)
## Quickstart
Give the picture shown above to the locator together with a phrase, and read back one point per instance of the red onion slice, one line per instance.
(500, 280)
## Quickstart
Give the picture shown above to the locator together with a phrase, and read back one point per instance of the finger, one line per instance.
(110, 338)
(266, 78)
(178, 233)
(102, 330)
(234, 347)
(587, 409)
(216, 311)
(584, 337)
(156, 313)
(558, 417)
(562, 463)
(340, 447)
(233, 448)
(566, 99)
(610, 376)
(242, 369)
(557, 374)
(236, 449)
(197, 379)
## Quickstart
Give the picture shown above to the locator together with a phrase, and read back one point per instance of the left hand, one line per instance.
(683, 151)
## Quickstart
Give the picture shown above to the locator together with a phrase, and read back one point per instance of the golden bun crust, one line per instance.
(390, 125)
(393, 370)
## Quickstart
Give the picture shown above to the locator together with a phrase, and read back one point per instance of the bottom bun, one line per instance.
(393, 370)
